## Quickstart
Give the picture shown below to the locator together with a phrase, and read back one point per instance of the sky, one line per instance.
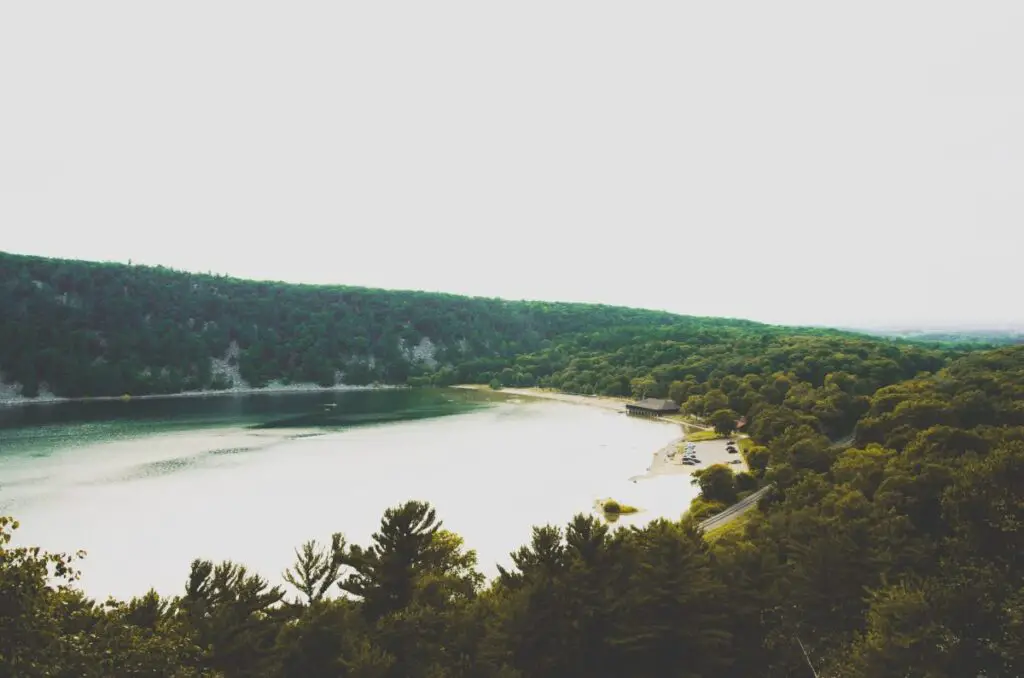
(851, 164)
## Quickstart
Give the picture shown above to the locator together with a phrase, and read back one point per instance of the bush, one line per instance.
(612, 506)
(698, 436)
(702, 508)
(724, 421)
(745, 482)
(757, 458)
(717, 483)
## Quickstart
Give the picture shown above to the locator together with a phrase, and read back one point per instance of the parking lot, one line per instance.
(708, 453)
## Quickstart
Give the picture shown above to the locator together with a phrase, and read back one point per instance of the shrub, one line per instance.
(698, 436)
(757, 458)
(717, 483)
(702, 508)
(612, 506)
(745, 482)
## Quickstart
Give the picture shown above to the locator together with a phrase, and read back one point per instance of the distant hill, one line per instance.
(991, 337)
(81, 329)
(91, 329)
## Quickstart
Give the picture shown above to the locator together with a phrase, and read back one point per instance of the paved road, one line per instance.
(734, 511)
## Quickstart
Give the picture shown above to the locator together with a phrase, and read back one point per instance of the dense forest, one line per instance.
(91, 329)
(899, 554)
(78, 329)
(889, 545)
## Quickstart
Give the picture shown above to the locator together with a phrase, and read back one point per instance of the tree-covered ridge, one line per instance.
(92, 329)
(773, 376)
(906, 549)
(983, 390)
(892, 559)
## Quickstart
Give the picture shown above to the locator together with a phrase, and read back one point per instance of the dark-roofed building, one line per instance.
(652, 407)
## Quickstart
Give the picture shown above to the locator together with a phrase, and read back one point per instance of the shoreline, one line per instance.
(19, 401)
(605, 402)
(711, 452)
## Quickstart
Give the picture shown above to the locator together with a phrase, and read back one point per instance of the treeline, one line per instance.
(979, 338)
(90, 329)
(774, 376)
(899, 556)
(95, 329)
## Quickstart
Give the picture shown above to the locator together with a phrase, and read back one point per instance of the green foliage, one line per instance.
(612, 506)
(48, 628)
(717, 483)
(724, 421)
(745, 482)
(93, 329)
(984, 389)
(232, 616)
(411, 560)
(316, 568)
(702, 507)
(90, 329)
(896, 552)
(757, 457)
(698, 436)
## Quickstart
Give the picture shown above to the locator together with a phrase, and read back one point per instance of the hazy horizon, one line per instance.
(792, 163)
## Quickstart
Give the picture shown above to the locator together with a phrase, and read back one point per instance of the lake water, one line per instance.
(145, 486)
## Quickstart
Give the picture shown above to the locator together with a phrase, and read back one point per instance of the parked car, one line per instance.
(730, 442)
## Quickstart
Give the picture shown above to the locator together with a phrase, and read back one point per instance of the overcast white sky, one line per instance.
(856, 163)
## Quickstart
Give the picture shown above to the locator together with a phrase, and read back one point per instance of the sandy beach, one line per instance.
(606, 402)
(709, 452)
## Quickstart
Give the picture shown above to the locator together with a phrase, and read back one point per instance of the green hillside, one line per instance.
(93, 329)
(78, 329)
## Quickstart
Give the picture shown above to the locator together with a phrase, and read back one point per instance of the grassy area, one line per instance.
(686, 420)
(697, 436)
(732, 529)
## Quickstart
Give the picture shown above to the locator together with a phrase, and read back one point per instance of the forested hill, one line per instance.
(92, 329)
(82, 329)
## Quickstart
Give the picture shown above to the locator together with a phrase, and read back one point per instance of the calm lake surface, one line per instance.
(146, 486)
